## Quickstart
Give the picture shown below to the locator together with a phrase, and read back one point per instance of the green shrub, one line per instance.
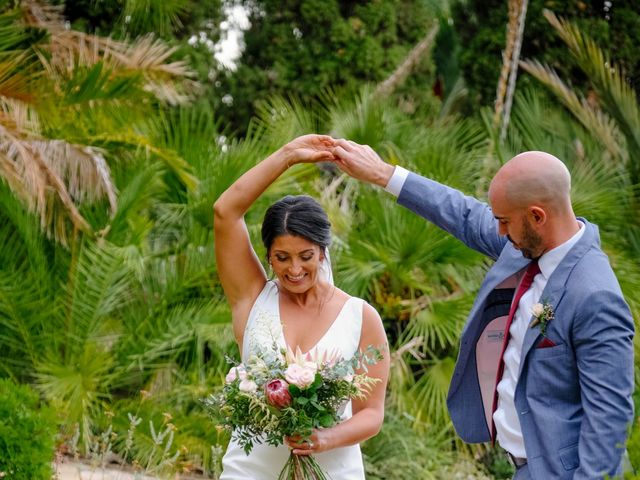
(401, 453)
(27, 434)
(633, 448)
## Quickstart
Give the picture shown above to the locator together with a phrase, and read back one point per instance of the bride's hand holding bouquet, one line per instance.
(288, 397)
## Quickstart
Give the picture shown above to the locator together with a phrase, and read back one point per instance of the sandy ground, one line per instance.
(70, 470)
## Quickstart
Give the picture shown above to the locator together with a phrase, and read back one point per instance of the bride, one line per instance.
(299, 308)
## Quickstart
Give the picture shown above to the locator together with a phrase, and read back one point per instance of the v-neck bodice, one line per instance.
(263, 329)
(264, 326)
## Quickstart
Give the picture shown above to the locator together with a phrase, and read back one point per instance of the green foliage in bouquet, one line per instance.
(246, 406)
(279, 394)
(27, 434)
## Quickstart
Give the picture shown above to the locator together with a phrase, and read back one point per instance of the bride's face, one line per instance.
(296, 262)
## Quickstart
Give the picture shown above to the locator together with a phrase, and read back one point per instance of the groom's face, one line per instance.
(513, 222)
(520, 232)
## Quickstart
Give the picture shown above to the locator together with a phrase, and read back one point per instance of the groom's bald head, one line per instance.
(534, 178)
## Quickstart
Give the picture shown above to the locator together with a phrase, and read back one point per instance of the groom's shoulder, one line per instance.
(594, 269)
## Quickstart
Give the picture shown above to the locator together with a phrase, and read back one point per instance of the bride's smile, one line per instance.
(295, 262)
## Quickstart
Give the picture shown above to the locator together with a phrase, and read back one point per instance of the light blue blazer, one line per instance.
(573, 399)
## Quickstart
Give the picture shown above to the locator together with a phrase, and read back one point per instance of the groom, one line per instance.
(549, 377)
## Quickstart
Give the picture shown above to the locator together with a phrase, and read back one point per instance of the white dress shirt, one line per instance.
(396, 182)
(508, 428)
(506, 417)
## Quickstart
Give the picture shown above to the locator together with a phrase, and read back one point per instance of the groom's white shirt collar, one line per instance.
(550, 260)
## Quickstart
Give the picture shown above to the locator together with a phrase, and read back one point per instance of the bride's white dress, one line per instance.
(263, 329)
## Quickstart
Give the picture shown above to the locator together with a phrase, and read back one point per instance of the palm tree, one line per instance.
(67, 100)
(613, 115)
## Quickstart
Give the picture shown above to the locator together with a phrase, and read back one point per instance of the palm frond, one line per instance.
(79, 387)
(25, 167)
(279, 120)
(162, 16)
(395, 252)
(615, 93)
(181, 335)
(450, 152)
(24, 247)
(440, 321)
(366, 120)
(13, 35)
(601, 188)
(43, 15)
(99, 285)
(429, 394)
(144, 146)
(23, 320)
(594, 119)
(16, 78)
(131, 222)
(19, 117)
(402, 452)
(148, 57)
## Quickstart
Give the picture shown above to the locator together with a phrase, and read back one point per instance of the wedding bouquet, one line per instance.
(278, 394)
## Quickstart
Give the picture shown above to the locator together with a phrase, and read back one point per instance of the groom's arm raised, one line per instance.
(466, 218)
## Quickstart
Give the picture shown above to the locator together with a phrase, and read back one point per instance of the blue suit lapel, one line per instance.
(557, 285)
(553, 293)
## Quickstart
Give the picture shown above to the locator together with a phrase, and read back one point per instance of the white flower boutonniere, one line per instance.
(542, 315)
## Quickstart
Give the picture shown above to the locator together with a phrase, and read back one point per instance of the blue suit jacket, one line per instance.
(573, 399)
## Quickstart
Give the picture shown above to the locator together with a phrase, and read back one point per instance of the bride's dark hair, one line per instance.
(298, 215)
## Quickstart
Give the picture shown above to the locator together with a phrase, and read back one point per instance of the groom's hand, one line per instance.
(361, 162)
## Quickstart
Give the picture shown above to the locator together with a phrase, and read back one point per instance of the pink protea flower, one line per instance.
(277, 393)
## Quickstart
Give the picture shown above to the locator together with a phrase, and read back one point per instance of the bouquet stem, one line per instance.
(302, 467)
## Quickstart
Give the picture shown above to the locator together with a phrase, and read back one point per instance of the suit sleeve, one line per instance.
(466, 218)
(603, 343)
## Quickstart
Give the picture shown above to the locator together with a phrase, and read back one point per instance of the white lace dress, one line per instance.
(263, 328)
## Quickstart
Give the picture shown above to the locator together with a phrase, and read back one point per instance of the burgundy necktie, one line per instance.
(527, 280)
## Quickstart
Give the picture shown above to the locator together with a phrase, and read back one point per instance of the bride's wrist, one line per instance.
(329, 439)
(287, 156)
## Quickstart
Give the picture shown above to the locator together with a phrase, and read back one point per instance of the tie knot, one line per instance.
(532, 270)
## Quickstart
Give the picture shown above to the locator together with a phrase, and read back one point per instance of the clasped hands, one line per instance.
(358, 161)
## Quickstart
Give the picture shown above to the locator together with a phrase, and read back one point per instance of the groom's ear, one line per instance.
(538, 215)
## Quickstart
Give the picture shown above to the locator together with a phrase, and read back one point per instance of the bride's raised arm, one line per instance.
(241, 273)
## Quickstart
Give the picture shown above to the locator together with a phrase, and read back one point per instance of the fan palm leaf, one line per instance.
(97, 288)
(429, 394)
(75, 368)
(279, 120)
(615, 94)
(49, 154)
(23, 317)
(440, 322)
(593, 118)
(162, 16)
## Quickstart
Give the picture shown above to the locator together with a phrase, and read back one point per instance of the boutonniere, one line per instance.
(542, 315)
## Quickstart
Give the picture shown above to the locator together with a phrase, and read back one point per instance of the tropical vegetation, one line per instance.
(110, 161)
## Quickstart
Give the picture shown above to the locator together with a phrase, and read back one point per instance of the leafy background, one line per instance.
(119, 129)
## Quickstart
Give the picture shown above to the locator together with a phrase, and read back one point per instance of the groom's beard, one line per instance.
(531, 243)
